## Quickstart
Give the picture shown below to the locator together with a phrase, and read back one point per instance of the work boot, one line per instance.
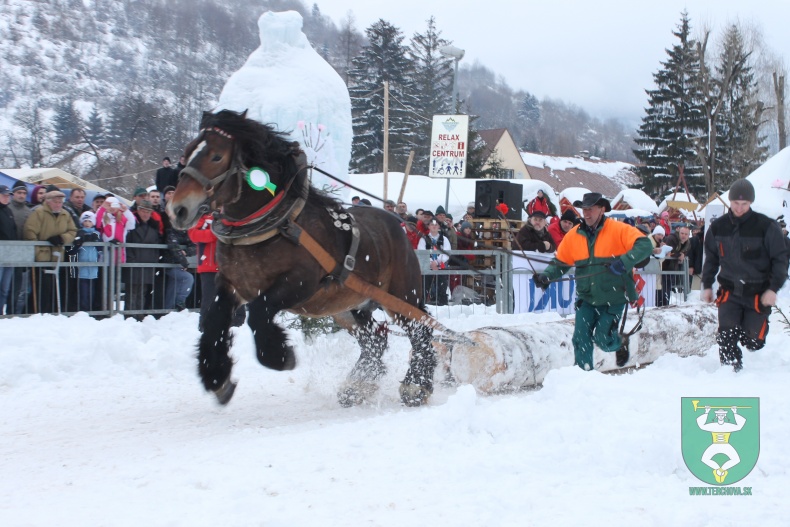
(622, 355)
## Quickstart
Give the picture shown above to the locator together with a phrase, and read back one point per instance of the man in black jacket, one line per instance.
(166, 176)
(7, 232)
(140, 280)
(695, 256)
(747, 250)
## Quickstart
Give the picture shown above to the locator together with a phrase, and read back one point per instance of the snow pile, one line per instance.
(285, 82)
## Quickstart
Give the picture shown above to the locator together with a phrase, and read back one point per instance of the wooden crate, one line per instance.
(496, 232)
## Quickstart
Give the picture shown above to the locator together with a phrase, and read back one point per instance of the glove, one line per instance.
(55, 240)
(617, 267)
(542, 281)
(183, 263)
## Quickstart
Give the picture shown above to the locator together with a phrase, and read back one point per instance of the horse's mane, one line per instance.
(264, 145)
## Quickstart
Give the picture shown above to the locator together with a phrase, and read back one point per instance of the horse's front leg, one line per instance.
(417, 386)
(271, 343)
(214, 364)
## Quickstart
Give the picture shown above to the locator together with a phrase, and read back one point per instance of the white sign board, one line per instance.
(449, 142)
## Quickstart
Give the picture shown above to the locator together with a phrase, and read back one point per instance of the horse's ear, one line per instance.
(298, 154)
(244, 114)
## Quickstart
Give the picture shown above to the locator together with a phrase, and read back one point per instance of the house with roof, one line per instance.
(500, 147)
(582, 171)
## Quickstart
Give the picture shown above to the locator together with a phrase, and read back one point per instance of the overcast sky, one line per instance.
(599, 55)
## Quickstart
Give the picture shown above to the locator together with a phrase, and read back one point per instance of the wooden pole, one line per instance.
(406, 176)
(386, 134)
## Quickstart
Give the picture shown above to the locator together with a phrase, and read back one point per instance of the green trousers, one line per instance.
(595, 325)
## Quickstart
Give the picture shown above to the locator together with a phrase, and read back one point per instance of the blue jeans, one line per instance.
(6, 279)
(177, 287)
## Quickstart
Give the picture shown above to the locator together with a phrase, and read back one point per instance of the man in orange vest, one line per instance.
(604, 252)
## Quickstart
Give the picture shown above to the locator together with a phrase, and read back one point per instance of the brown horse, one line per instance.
(257, 182)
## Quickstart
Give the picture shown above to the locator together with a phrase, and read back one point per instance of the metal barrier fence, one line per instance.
(57, 287)
(47, 287)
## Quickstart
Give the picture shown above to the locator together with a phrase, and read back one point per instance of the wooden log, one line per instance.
(511, 358)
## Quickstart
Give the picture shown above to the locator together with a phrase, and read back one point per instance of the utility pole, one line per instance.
(456, 54)
(386, 134)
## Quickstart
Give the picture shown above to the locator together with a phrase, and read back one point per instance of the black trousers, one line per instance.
(742, 320)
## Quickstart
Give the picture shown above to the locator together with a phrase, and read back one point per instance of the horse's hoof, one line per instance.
(356, 393)
(289, 359)
(414, 394)
(225, 392)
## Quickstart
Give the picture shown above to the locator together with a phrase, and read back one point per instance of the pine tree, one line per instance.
(529, 113)
(383, 59)
(433, 82)
(94, 128)
(67, 124)
(740, 148)
(673, 118)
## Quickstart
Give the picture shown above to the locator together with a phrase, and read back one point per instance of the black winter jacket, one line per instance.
(748, 252)
(7, 224)
(147, 233)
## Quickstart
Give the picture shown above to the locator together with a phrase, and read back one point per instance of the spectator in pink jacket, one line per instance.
(114, 220)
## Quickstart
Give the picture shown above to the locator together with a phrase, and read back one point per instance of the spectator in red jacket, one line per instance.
(539, 203)
(422, 225)
(558, 229)
(206, 241)
(410, 226)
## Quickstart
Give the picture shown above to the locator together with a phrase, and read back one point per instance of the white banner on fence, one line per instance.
(449, 141)
(560, 297)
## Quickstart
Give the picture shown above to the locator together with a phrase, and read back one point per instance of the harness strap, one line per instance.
(350, 261)
(353, 282)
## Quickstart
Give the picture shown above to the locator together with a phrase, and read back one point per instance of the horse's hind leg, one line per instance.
(362, 382)
(271, 344)
(214, 364)
(417, 386)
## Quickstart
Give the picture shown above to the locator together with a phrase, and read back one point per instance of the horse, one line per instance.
(286, 246)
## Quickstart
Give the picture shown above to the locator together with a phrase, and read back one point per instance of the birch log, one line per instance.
(506, 358)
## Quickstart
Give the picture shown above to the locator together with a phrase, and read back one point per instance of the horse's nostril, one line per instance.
(181, 212)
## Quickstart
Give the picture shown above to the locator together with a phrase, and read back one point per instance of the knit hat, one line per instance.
(440, 210)
(538, 214)
(470, 205)
(659, 230)
(742, 190)
(568, 215)
(113, 201)
(643, 228)
(665, 214)
(465, 224)
(18, 185)
(139, 191)
(88, 215)
(168, 189)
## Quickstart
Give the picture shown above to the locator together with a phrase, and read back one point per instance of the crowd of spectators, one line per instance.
(67, 224)
(68, 230)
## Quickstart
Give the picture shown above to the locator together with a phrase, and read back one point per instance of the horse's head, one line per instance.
(231, 156)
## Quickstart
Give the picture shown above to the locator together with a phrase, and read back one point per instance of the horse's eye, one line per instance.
(216, 158)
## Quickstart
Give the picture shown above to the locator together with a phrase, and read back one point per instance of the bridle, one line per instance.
(236, 167)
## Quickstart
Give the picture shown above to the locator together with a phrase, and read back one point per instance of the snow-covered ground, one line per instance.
(105, 423)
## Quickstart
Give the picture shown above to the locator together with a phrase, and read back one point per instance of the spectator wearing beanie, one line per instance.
(559, 229)
(746, 253)
(410, 227)
(533, 236)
